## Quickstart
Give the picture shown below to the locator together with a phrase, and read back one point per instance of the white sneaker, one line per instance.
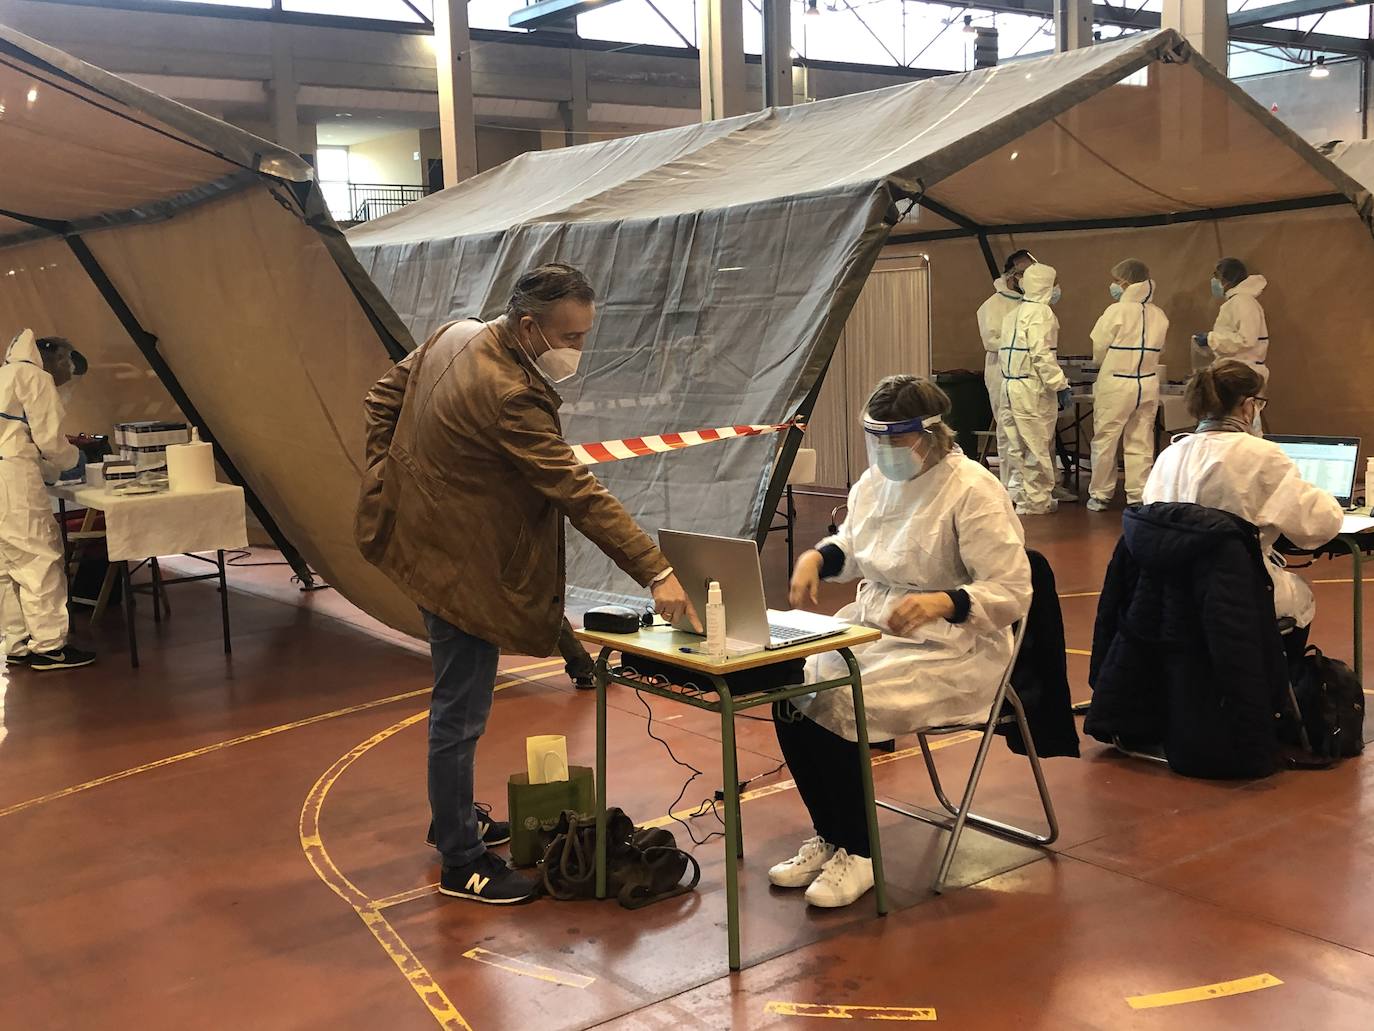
(1098, 506)
(801, 869)
(842, 880)
(1022, 509)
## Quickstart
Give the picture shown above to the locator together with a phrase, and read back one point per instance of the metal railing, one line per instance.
(367, 201)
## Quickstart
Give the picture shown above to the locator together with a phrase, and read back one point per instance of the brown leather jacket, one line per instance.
(468, 480)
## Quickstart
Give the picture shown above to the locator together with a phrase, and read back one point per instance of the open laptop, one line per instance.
(1326, 462)
(699, 558)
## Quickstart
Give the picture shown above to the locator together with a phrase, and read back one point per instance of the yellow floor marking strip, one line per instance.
(368, 909)
(519, 966)
(257, 735)
(405, 896)
(1078, 651)
(788, 785)
(1081, 594)
(806, 1009)
(1204, 992)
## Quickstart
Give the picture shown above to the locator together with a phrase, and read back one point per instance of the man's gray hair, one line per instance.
(540, 288)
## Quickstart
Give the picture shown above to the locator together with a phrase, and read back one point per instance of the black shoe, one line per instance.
(63, 658)
(489, 880)
(492, 832)
(587, 683)
(18, 660)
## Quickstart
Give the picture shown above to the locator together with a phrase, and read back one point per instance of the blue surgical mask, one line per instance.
(1116, 291)
(1218, 288)
(898, 464)
(1055, 294)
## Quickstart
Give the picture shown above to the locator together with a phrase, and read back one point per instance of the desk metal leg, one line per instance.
(601, 676)
(732, 830)
(866, 774)
(157, 589)
(127, 587)
(224, 602)
(1357, 579)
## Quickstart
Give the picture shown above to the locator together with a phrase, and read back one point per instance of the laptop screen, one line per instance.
(1326, 462)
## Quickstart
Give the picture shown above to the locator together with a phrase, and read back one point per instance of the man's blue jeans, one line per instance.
(464, 681)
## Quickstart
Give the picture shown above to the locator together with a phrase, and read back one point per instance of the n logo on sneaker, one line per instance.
(477, 883)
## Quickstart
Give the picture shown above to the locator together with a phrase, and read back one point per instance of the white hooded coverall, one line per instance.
(1241, 330)
(33, 584)
(950, 528)
(991, 315)
(1127, 342)
(1251, 477)
(1031, 378)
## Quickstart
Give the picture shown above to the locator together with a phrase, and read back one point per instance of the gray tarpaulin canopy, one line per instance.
(728, 255)
(196, 267)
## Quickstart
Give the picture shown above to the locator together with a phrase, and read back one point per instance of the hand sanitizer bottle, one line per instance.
(715, 622)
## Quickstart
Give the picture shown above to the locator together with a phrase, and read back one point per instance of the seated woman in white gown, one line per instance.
(940, 557)
(1225, 465)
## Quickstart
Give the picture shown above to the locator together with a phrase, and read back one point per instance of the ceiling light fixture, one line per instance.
(968, 24)
(812, 9)
(33, 94)
(1319, 70)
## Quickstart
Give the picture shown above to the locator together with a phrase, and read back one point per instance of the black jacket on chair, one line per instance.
(1041, 675)
(1186, 650)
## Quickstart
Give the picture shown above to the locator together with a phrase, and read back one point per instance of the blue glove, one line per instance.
(1200, 339)
(1065, 397)
(76, 472)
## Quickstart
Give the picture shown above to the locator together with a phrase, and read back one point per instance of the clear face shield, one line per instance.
(890, 446)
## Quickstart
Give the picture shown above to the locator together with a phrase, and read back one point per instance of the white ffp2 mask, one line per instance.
(557, 364)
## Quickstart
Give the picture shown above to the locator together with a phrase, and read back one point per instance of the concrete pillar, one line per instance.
(574, 110)
(720, 39)
(457, 119)
(1202, 23)
(282, 92)
(777, 53)
(1073, 25)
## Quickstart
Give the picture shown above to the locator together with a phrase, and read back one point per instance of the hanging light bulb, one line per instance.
(968, 25)
(812, 9)
(1319, 70)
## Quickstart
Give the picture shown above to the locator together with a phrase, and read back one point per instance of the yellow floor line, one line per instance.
(368, 909)
(257, 735)
(406, 896)
(807, 1009)
(788, 785)
(1078, 651)
(524, 969)
(1204, 992)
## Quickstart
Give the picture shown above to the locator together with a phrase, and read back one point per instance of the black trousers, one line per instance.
(826, 769)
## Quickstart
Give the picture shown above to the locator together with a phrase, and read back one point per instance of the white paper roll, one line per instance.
(191, 467)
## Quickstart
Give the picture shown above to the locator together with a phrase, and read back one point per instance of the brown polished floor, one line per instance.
(238, 843)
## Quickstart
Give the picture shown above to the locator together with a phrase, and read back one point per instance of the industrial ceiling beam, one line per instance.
(552, 12)
(1294, 9)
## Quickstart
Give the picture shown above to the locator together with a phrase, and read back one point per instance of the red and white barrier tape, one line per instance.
(657, 444)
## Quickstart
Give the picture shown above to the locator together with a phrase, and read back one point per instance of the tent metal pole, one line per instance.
(147, 345)
(1327, 200)
(964, 222)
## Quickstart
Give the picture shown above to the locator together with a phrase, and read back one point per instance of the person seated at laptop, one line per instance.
(941, 562)
(1226, 465)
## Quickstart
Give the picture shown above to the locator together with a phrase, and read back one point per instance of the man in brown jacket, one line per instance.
(468, 482)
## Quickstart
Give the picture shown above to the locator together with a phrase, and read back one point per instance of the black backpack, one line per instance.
(1331, 701)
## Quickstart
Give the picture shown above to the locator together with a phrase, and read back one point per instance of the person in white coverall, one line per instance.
(33, 583)
(1032, 384)
(1241, 330)
(941, 565)
(1227, 465)
(1127, 342)
(1006, 295)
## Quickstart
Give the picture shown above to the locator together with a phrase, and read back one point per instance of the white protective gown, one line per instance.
(1241, 330)
(991, 315)
(1127, 342)
(1031, 378)
(1251, 477)
(33, 585)
(952, 527)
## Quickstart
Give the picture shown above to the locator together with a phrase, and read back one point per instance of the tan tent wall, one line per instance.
(269, 345)
(43, 288)
(1320, 322)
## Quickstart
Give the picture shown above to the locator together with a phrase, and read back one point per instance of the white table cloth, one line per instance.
(142, 526)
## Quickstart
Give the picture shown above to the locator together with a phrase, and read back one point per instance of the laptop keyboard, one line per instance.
(788, 633)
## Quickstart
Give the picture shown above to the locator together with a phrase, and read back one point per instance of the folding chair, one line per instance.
(961, 815)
